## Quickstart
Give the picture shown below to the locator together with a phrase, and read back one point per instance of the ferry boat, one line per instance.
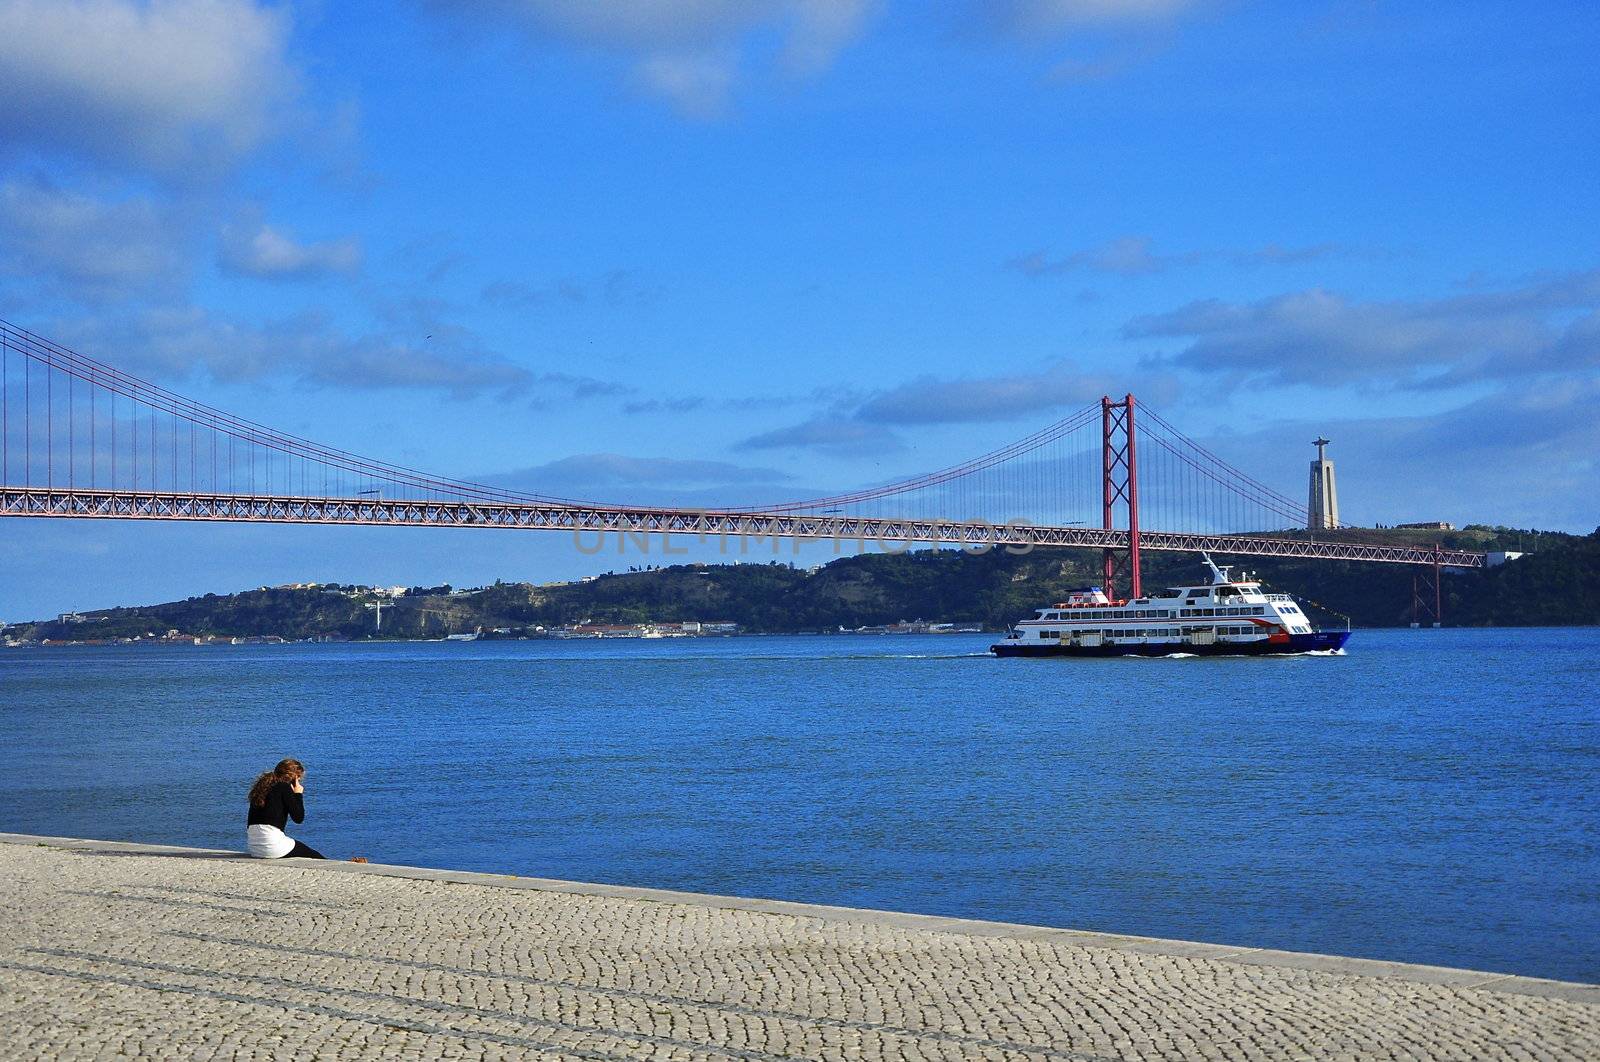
(1225, 617)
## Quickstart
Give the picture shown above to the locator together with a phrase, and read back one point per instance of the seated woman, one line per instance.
(276, 798)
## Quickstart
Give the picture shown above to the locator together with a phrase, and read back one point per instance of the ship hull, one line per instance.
(1317, 641)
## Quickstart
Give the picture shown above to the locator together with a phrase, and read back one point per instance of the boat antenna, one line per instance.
(1218, 574)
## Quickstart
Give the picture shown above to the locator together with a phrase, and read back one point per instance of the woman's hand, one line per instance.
(296, 786)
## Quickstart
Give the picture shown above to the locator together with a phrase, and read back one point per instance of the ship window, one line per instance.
(1208, 612)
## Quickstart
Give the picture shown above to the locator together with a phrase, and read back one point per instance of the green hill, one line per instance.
(1558, 585)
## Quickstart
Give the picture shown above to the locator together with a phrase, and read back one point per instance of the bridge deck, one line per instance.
(702, 525)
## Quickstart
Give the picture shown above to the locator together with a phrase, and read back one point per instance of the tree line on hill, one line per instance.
(1558, 585)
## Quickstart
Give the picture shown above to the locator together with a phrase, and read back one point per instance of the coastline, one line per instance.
(117, 948)
(1290, 960)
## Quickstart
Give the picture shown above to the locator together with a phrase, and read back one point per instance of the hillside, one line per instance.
(1558, 585)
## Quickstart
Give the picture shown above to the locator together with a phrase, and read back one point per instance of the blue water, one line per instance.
(1433, 796)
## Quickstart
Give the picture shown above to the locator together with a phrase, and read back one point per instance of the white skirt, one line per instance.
(268, 842)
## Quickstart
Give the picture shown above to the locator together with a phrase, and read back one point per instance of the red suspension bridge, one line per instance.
(82, 439)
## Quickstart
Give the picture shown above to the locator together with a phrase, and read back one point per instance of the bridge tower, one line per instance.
(1120, 465)
(1323, 506)
(1428, 582)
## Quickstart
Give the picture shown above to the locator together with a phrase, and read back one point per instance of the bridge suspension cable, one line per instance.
(79, 437)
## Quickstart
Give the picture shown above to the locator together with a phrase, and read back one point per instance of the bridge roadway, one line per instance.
(750, 528)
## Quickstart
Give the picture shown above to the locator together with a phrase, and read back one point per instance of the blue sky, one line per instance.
(658, 250)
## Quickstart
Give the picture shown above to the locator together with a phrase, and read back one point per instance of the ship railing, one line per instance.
(1279, 597)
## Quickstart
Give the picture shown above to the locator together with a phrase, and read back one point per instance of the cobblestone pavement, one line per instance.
(110, 950)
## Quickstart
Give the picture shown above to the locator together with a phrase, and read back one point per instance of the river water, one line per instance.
(1431, 796)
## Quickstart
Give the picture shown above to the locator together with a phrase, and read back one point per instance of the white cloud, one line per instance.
(176, 342)
(859, 424)
(933, 401)
(689, 52)
(1322, 337)
(1056, 16)
(413, 349)
(69, 244)
(697, 84)
(582, 472)
(1132, 256)
(1127, 256)
(252, 248)
(1525, 457)
(843, 435)
(184, 88)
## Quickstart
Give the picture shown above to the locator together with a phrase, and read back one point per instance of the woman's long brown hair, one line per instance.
(285, 771)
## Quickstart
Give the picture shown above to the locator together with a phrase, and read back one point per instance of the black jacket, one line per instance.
(282, 805)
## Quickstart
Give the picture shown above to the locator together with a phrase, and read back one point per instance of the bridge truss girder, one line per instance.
(705, 525)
